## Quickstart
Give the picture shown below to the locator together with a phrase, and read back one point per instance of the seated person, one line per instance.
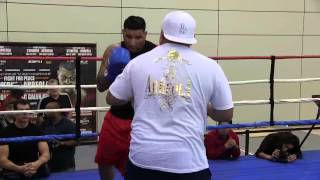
(23, 160)
(222, 144)
(7, 119)
(62, 152)
(280, 147)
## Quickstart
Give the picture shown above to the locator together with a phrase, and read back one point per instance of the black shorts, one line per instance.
(136, 173)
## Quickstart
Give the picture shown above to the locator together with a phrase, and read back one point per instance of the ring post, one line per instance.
(78, 100)
(273, 61)
(317, 117)
(247, 142)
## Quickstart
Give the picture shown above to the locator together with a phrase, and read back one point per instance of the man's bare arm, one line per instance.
(264, 156)
(220, 115)
(6, 163)
(44, 152)
(113, 101)
(43, 158)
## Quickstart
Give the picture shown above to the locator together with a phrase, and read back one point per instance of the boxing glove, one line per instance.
(118, 60)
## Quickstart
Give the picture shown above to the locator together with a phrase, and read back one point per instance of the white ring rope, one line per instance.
(56, 110)
(249, 82)
(236, 103)
(301, 100)
(276, 101)
(296, 80)
(251, 102)
(95, 86)
(275, 80)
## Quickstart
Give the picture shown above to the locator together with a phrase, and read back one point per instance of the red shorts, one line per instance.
(114, 141)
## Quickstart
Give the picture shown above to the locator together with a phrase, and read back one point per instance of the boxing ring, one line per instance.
(246, 167)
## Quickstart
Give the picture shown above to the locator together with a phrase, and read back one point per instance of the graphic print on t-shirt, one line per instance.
(174, 85)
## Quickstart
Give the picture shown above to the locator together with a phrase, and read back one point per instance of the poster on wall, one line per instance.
(38, 72)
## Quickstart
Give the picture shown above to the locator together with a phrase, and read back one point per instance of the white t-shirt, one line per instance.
(170, 87)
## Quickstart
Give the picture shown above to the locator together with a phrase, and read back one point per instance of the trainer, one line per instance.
(171, 87)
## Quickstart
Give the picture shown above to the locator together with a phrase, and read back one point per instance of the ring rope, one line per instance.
(45, 87)
(250, 82)
(95, 86)
(93, 135)
(279, 101)
(275, 80)
(296, 80)
(264, 57)
(47, 137)
(249, 102)
(56, 110)
(266, 124)
(84, 58)
(236, 103)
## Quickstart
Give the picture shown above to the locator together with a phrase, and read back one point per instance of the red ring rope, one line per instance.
(65, 58)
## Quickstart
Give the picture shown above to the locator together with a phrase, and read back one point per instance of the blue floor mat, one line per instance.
(246, 167)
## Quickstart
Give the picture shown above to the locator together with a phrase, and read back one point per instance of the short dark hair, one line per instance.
(134, 23)
(20, 101)
(289, 138)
